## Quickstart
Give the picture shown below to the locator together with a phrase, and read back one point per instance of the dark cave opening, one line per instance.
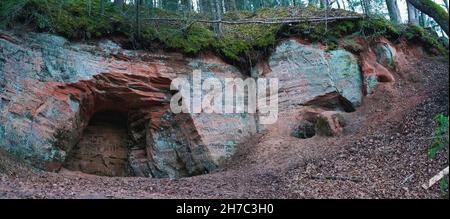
(124, 128)
(103, 148)
(304, 130)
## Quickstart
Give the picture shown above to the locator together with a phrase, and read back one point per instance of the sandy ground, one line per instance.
(381, 155)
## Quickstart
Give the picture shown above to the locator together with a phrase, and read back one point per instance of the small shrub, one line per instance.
(440, 143)
(352, 46)
(441, 136)
(322, 127)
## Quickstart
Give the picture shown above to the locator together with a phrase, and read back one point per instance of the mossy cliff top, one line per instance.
(240, 44)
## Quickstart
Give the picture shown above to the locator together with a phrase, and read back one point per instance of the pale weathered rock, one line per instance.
(310, 76)
(386, 54)
(221, 132)
(306, 72)
(346, 77)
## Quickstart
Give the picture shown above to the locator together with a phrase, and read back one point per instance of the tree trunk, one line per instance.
(205, 6)
(119, 3)
(89, 7)
(350, 5)
(138, 19)
(148, 3)
(230, 5)
(394, 11)
(323, 4)
(186, 5)
(365, 6)
(412, 17)
(217, 11)
(433, 10)
(102, 7)
(421, 19)
(313, 2)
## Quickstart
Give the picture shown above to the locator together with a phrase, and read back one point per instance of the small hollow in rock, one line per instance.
(304, 130)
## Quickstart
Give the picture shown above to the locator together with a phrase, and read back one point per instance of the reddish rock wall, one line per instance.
(50, 89)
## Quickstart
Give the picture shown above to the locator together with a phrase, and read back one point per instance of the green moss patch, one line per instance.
(242, 45)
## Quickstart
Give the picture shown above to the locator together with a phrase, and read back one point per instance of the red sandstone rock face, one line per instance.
(117, 92)
(381, 60)
(323, 121)
(327, 123)
(372, 69)
(50, 90)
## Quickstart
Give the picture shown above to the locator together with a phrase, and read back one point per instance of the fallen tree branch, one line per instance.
(407, 179)
(340, 178)
(435, 179)
(262, 21)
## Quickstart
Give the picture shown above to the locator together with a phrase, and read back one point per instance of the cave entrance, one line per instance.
(304, 130)
(103, 147)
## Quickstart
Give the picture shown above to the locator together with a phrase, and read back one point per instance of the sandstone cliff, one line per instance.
(51, 91)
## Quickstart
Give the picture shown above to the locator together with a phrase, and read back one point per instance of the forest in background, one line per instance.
(241, 31)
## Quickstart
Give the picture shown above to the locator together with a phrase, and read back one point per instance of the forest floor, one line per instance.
(384, 155)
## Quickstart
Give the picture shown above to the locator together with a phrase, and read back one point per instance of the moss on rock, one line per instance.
(241, 44)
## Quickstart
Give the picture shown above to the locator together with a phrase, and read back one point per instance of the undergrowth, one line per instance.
(440, 144)
(240, 44)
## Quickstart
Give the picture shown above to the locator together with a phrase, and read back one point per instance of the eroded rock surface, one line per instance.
(103, 148)
(310, 76)
(306, 72)
(50, 89)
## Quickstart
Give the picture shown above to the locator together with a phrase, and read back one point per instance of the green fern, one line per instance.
(440, 139)
(444, 186)
(439, 143)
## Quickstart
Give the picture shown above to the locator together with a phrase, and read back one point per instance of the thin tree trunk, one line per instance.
(89, 7)
(186, 5)
(230, 5)
(350, 5)
(322, 3)
(422, 19)
(102, 7)
(365, 6)
(218, 9)
(412, 18)
(313, 2)
(394, 11)
(138, 20)
(119, 3)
